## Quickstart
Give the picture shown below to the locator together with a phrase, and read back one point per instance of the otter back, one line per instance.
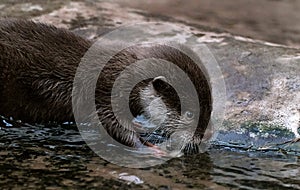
(37, 66)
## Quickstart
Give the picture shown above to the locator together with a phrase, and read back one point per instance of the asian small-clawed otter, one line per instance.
(38, 63)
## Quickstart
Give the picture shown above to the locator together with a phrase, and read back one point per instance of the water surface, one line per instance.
(56, 157)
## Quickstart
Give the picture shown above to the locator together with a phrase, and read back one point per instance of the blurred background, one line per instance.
(276, 21)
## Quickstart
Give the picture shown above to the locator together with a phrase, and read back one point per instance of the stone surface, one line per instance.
(275, 21)
(263, 88)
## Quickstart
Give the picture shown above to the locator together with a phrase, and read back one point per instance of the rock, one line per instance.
(262, 79)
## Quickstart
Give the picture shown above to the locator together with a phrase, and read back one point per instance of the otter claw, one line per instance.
(295, 140)
(153, 148)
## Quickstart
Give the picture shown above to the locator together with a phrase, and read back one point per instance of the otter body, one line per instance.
(38, 64)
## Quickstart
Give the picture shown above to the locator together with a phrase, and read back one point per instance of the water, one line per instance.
(56, 157)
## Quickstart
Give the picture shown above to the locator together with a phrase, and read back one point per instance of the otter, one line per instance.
(38, 63)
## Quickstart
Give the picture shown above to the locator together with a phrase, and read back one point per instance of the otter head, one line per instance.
(177, 119)
(167, 117)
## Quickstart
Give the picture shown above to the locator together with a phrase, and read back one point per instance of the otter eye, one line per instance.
(189, 115)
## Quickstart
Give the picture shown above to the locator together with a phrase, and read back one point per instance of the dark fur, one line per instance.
(38, 64)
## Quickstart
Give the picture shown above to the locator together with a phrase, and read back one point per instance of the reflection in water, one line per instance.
(57, 157)
(255, 170)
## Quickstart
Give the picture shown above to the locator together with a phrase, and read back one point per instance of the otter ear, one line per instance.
(160, 83)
